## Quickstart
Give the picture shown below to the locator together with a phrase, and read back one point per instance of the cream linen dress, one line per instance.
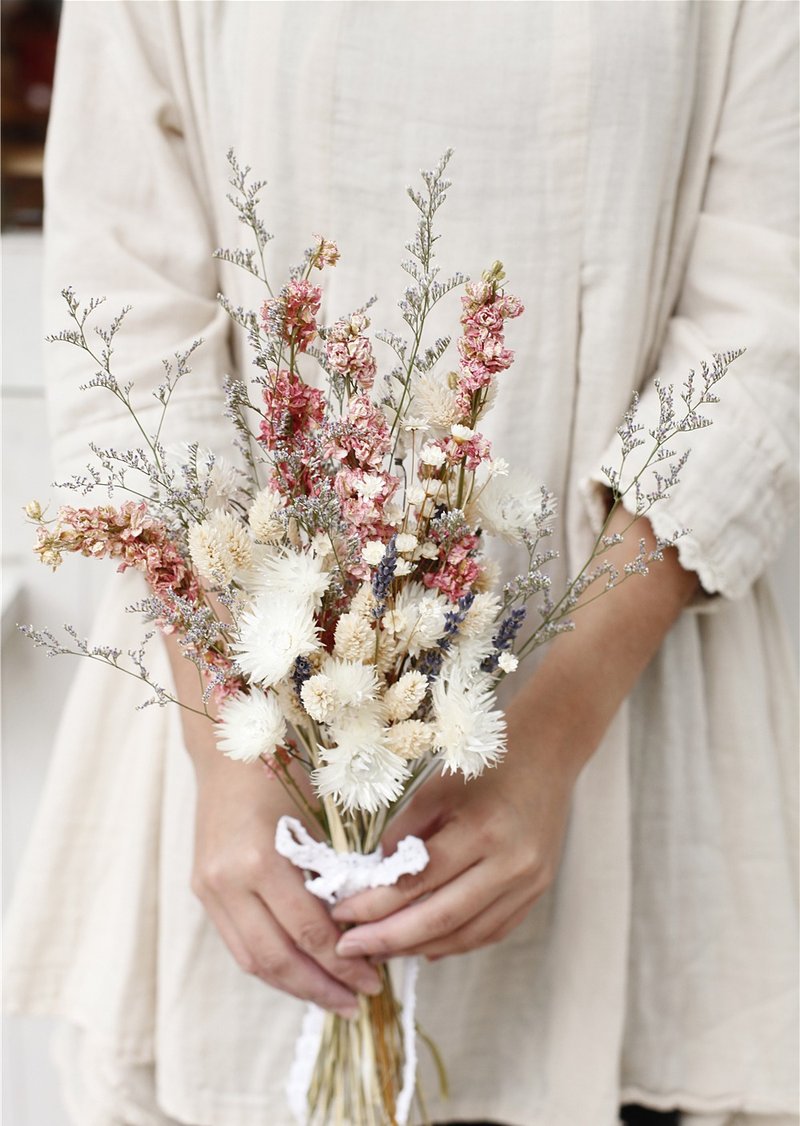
(634, 167)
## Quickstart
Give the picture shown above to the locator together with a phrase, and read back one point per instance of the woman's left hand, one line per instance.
(494, 846)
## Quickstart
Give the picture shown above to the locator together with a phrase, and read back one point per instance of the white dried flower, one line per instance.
(372, 552)
(405, 542)
(429, 550)
(411, 739)
(435, 400)
(403, 567)
(272, 635)
(488, 578)
(359, 771)
(480, 620)
(33, 510)
(220, 548)
(403, 698)
(355, 683)
(354, 639)
(263, 517)
(417, 620)
(508, 506)
(320, 698)
(461, 433)
(432, 455)
(418, 425)
(508, 662)
(251, 724)
(363, 601)
(370, 485)
(470, 732)
(415, 495)
(298, 575)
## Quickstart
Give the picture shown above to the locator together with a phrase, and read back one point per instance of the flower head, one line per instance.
(251, 724)
(470, 733)
(272, 635)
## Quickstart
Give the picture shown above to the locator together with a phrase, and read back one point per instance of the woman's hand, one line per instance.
(495, 842)
(272, 926)
(494, 846)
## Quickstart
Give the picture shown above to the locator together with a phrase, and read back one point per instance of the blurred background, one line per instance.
(33, 688)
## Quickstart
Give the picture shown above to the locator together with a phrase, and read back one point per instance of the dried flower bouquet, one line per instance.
(328, 577)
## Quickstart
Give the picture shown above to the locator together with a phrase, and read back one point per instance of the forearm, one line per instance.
(587, 674)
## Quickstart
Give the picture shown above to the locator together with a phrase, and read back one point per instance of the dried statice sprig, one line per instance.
(106, 655)
(245, 200)
(670, 424)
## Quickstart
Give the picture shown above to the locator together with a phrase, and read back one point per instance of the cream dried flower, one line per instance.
(479, 621)
(434, 400)
(320, 698)
(402, 699)
(411, 739)
(354, 639)
(220, 547)
(263, 517)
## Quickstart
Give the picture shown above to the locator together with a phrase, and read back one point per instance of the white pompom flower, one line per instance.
(272, 634)
(251, 724)
(470, 732)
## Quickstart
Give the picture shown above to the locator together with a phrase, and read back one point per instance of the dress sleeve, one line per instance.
(738, 490)
(127, 218)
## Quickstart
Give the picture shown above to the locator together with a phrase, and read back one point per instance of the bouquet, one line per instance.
(328, 575)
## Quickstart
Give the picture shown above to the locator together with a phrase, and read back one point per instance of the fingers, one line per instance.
(314, 932)
(447, 910)
(271, 956)
(450, 856)
(492, 925)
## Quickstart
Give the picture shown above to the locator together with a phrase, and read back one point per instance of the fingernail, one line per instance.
(349, 1012)
(372, 987)
(348, 948)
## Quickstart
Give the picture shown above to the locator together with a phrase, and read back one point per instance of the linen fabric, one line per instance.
(634, 167)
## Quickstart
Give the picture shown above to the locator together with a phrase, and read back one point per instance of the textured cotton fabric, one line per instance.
(634, 166)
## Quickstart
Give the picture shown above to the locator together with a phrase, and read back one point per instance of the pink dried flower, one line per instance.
(349, 352)
(293, 313)
(458, 568)
(361, 438)
(292, 409)
(326, 253)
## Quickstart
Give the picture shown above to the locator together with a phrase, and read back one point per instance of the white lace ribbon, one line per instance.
(339, 875)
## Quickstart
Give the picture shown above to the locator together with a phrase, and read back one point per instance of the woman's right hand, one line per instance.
(273, 927)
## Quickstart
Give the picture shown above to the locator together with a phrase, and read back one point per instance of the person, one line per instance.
(610, 914)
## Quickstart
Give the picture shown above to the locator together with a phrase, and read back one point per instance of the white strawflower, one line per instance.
(272, 635)
(434, 400)
(359, 770)
(220, 547)
(403, 698)
(418, 618)
(415, 495)
(462, 433)
(470, 733)
(354, 639)
(508, 662)
(405, 542)
(372, 552)
(251, 724)
(429, 550)
(297, 575)
(403, 567)
(320, 698)
(263, 517)
(508, 506)
(418, 425)
(410, 739)
(370, 485)
(432, 455)
(355, 684)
